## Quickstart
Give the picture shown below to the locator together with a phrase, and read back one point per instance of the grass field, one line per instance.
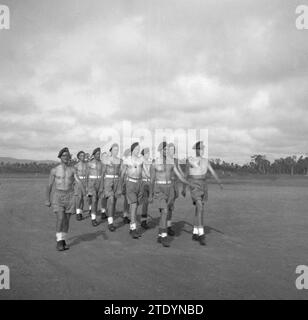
(256, 233)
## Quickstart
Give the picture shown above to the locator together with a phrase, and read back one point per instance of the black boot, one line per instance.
(165, 242)
(111, 227)
(202, 240)
(65, 246)
(60, 246)
(134, 234)
(78, 216)
(94, 223)
(104, 216)
(126, 220)
(144, 225)
(195, 237)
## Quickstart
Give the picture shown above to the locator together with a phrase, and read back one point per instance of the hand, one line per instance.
(47, 203)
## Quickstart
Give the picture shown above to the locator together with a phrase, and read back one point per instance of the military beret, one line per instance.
(162, 146)
(171, 144)
(133, 146)
(114, 145)
(199, 145)
(145, 150)
(79, 153)
(96, 150)
(62, 151)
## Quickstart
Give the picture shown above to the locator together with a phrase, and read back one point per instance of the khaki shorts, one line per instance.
(64, 201)
(145, 189)
(165, 195)
(134, 192)
(200, 193)
(77, 189)
(111, 186)
(93, 187)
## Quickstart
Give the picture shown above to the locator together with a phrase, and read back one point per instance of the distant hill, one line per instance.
(14, 160)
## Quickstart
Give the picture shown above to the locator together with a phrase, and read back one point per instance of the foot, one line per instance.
(94, 223)
(104, 216)
(134, 234)
(170, 232)
(165, 242)
(195, 237)
(60, 246)
(144, 225)
(78, 216)
(111, 227)
(159, 239)
(126, 220)
(202, 240)
(65, 246)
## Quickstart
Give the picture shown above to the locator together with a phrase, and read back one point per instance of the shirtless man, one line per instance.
(110, 184)
(196, 170)
(81, 171)
(132, 170)
(146, 179)
(163, 190)
(126, 220)
(94, 181)
(63, 177)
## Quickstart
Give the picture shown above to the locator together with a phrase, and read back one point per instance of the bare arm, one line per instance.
(215, 175)
(49, 186)
(182, 179)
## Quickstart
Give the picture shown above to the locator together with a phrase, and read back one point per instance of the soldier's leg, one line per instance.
(60, 229)
(110, 212)
(195, 222)
(104, 207)
(163, 235)
(79, 206)
(145, 206)
(94, 209)
(200, 213)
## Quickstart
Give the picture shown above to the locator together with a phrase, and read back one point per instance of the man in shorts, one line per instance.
(110, 184)
(94, 182)
(62, 177)
(162, 189)
(146, 181)
(132, 170)
(81, 171)
(126, 219)
(196, 170)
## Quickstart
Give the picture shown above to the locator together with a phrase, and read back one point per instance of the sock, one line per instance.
(169, 223)
(196, 230)
(125, 214)
(103, 210)
(90, 207)
(110, 220)
(133, 226)
(78, 211)
(201, 231)
(93, 216)
(59, 236)
(164, 234)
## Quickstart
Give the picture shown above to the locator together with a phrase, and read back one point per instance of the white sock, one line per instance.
(169, 223)
(103, 210)
(201, 231)
(78, 211)
(93, 216)
(164, 234)
(110, 220)
(59, 236)
(133, 226)
(196, 230)
(90, 207)
(125, 214)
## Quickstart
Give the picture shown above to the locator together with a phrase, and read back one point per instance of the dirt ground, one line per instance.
(256, 236)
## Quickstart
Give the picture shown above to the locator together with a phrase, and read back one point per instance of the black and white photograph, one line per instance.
(154, 150)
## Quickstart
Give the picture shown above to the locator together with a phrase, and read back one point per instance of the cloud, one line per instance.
(70, 69)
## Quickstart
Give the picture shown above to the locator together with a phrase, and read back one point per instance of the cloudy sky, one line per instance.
(70, 68)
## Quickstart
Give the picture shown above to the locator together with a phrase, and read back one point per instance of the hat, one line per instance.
(62, 151)
(162, 146)
(198, 145)
(171, 144)
(79, 153)
(114, 145)
(145, 150)
(96, 150)
(133, 146)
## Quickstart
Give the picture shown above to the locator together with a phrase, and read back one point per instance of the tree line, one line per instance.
(258, 164)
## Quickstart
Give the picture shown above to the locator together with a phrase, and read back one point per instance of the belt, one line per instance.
(82, 177)
(94, 177)
(146, 180)
(133, 179)
(163, 182)
(111, 176)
